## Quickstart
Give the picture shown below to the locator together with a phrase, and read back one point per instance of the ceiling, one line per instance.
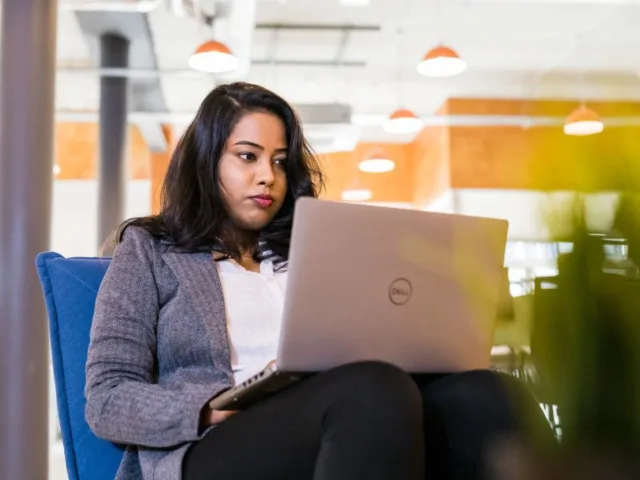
(366, 56)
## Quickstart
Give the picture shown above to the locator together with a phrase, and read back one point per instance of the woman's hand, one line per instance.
(213, 417)
(217, 416)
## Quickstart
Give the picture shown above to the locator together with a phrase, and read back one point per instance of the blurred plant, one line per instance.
(586, 339)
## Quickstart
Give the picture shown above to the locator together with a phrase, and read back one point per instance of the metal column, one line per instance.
(114, 51)
(27, 74)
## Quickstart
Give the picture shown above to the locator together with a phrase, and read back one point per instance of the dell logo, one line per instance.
(400, 291)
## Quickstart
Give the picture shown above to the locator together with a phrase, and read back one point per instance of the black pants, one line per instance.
(370, 421)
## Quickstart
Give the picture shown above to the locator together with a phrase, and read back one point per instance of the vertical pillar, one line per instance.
(27, 69)
(114, 53)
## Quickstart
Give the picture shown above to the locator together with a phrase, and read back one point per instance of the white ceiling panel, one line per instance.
(331, 11)
(75, 91)
(523, 21)
(72, 47)
(174, 38)
(311, 45)
(185, 94)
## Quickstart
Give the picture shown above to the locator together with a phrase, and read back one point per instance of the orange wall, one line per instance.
(342, 173)
(553, 108)
(542, 157)
(421, 173)
(430, 153)
(488, 157)
(77, 149)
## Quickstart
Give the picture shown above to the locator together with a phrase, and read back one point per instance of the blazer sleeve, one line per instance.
(124, 405)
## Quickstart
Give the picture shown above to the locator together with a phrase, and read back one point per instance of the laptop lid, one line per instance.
(414, 288)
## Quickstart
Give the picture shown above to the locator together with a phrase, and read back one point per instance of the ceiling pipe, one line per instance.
(523, 121)
(184, 72)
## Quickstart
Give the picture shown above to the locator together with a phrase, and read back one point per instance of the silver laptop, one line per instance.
(416, 289)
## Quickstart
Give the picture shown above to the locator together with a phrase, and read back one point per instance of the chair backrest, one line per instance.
(70, 286)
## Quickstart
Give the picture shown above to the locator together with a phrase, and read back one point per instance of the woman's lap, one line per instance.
(282, 437)
(288, 435)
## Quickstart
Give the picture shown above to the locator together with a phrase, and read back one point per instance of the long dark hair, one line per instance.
(193, 216)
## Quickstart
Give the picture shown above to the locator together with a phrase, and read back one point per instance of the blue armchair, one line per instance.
(70, 286)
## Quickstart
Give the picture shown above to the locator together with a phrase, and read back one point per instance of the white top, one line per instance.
(254, 303)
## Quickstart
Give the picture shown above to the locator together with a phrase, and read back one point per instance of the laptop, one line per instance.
(413, 288)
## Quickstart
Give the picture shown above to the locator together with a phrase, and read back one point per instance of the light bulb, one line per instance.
(357, 195)
(377, 165)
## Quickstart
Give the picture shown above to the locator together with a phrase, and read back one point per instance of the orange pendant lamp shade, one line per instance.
(213, 57)
(403, 121)
(583, 121)
(441, 62)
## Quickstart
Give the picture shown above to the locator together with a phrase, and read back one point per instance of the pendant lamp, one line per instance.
(441, 62)
(582, 122)
(213, 57)
(376, 162)
(403, 121)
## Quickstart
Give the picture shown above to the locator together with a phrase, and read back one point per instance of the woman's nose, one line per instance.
(265, 174)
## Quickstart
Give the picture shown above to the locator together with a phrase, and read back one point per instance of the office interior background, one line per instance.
(500, 108)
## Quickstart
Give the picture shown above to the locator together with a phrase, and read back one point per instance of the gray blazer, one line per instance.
(158, 352)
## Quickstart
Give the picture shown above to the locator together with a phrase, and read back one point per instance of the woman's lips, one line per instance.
(263, 201)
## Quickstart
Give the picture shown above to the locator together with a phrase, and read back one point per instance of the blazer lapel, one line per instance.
(198, 277)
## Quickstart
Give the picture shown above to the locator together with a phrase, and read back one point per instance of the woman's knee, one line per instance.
(478, 386)
(499, 388)
(376, 384)
(486, 396)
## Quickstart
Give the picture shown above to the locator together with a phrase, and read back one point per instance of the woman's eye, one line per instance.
(250, 157)
(280, 161)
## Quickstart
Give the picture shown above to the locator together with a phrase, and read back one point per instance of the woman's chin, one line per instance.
(255, 225)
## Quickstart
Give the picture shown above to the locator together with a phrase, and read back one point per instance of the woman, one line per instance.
(191, 304)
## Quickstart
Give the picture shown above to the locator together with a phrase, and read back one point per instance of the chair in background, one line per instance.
(70, 286)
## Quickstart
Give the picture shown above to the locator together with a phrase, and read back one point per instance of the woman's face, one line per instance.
(252, 171)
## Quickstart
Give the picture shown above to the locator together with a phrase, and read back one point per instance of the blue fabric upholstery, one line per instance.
(70, 286)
